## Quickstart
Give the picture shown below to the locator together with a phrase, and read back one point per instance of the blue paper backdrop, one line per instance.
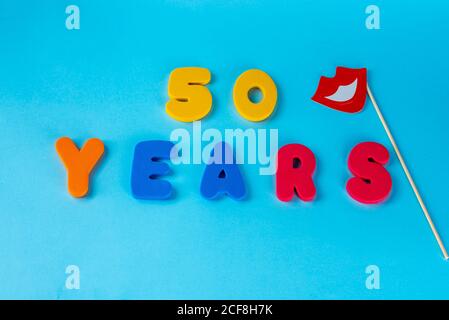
(109, 80)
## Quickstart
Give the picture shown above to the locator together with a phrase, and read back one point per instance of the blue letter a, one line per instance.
(222, 175)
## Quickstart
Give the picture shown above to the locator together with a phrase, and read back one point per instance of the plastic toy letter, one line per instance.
(222, 175)
(145, 182)
(255, 79)
(79, 163)
(296, 165)
(189, 100)
(372, 182)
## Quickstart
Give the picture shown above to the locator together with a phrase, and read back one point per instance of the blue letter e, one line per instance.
(147, 168)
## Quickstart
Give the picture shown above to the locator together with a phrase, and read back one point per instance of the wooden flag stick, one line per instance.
(409, 176)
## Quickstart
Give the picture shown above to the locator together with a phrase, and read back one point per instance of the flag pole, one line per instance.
(407, 173)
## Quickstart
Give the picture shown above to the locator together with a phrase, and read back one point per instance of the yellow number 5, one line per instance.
(189, 100)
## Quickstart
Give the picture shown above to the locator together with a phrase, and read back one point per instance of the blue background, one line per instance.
(109, 80)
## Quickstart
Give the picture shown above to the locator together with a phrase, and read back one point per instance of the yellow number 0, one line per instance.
(255, 79)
